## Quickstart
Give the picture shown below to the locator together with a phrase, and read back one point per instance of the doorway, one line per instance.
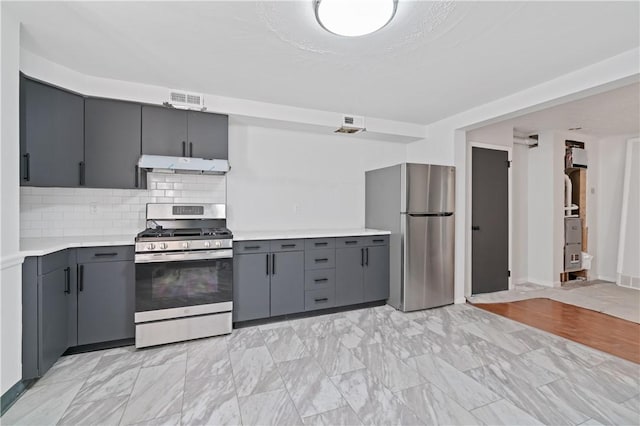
(490, 219)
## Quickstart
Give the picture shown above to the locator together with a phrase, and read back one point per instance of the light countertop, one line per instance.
(47, 245)
(305, 233)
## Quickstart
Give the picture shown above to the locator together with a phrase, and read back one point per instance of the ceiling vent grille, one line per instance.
(186, 100)
(351, 124)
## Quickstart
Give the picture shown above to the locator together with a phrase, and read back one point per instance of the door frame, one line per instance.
(469, 218)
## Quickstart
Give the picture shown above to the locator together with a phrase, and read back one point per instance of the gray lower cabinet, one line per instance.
(376, 273)
(287, 283)
(66, 303)
(251, 286)
(112, 144)
(51, 136)
(269, 283)
(106, 301)
(53, 302)
(362, 272)
(349, 276)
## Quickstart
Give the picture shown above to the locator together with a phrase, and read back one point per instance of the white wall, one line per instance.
(57, 212)
(610, 180)
(10, 265)
(283, 179)
(446, 142)
(629, 252)
(520, 212)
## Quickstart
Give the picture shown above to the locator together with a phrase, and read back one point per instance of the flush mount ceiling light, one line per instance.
(352, 18)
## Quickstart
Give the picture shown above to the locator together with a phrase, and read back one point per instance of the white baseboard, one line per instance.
(605, 278)
(460, 300)
(543, 283)
(518, 281)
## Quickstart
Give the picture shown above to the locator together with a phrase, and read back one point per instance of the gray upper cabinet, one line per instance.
(164, 131)
(106, 301)
(179, 133)
(287, 283)
(349, 276)
(208, 135)
(51, 136)
(251, 286)
(112, 143)
(376, 273)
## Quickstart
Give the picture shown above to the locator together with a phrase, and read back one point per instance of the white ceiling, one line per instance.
(433, 60)
(616, 112)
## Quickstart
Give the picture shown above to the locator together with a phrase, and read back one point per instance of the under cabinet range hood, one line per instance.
(162, 163)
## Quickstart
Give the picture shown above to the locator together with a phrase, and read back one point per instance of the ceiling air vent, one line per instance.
(185, 100)
(351, 124)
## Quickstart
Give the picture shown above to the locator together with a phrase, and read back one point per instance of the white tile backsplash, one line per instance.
(57, 212)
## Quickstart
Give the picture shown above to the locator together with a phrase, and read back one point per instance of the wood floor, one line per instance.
(595, 329)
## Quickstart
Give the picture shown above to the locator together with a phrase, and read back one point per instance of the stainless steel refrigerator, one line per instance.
(416, 202)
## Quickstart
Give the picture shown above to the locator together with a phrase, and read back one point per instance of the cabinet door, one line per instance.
(251, 286)
(52, 136)
(287, 283)
(106, 301)
(208, 135)
(112, 143)
(30, 318)
(376, 273)
(53, 300)
(349, 276)
(164, 131)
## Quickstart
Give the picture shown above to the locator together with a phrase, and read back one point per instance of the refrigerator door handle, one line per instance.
(443, 214)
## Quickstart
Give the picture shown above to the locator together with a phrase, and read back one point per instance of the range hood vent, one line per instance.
(161, 163)
(185, 100)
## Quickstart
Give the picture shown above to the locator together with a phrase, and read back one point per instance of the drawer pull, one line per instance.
(251, 247)
(323, 260)
(321, 300)
(320, 244)
(351, 242)
(287, 245)
(378, 241)
(321, 280)
(105, 254)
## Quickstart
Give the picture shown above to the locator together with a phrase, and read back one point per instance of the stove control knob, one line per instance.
(151, 246)
(218, 244)
(163, 246)
(207, 244)
(185, 244)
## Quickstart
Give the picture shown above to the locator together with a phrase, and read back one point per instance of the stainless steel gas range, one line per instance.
(184, 274)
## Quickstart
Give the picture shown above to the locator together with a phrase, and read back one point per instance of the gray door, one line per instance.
(429, 188)
(349, 276)
(112, 143)
(52, 306)
(429, 259)
(376, 273)
(52, 136)
(251, 286)
(287, 282)
(164, 131)
(208, 135)
(490, 221)
(106, 303)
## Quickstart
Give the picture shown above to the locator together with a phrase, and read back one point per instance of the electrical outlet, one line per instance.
(295, 208)
(93, 208)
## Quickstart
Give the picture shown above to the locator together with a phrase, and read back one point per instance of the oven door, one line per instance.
(170, 282)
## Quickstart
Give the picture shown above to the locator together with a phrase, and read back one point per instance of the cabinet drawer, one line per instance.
(53, 261)
(319, 299)
(320, 243)
(319, 279)
(251, 247)
(350, 242)
(320, 259)
(105, 254)
(287, 245)
(377, 240)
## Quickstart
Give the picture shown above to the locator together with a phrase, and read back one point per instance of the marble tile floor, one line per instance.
(599, 296)
(376, 366)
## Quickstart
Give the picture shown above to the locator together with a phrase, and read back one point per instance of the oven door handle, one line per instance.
(183, 256)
